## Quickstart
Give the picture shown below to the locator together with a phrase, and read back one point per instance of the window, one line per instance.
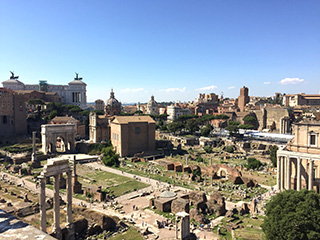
(137, 130)
(312, 139)
(4, 120)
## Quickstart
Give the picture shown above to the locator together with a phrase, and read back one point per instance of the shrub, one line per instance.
(229, 149)
(253, 163)
(208, 149)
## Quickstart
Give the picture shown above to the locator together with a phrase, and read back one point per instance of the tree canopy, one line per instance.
(293, 215)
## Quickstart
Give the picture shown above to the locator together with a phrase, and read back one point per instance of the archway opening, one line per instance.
(60, 145)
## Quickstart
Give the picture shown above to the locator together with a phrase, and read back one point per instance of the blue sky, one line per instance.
(172, 49)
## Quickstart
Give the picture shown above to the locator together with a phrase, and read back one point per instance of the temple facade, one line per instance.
(299, 162)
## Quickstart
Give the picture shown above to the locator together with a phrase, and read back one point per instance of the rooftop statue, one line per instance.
(13, 76)
(77, 78)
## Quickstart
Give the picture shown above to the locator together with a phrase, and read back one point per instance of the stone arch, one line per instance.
(223, 173)
(51, 132)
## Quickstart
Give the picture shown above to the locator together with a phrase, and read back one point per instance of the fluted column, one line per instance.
(310, 177)
(279, 173)
(298, 174)
(43, 213)
(56, 207)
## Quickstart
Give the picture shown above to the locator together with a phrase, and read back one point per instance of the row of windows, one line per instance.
(115, 136)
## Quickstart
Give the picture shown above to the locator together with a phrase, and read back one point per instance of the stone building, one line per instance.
(74, 93)
(99, 105)
(174, 111)
(152, 107)
(301, 99)
(299, 162)
(132, 134)
(12, 113)
(99, 129)
(113, 106)
(243, 98)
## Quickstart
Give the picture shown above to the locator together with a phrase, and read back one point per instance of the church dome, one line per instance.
(152, 103)
(112, 101)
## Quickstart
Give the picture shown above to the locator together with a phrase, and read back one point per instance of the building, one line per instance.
(98, 128)
(12, 114)
(99, 105)
(74, 93)
(113, 106)
(152, 107)
(132, 134)
(301, 99)
(299, 162)
(243, 98)
(174, 111)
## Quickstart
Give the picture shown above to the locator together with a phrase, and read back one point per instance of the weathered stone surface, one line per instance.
(196, 197)
(217, 204)
(180, 205)
(196, 215)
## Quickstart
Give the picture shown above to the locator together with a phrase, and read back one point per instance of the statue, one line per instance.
(77, 78)
(12, 76)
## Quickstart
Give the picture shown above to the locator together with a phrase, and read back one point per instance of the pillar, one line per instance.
(43, 210)
(288, 172)
(33, 155)
(298, 174)
(69, 224)
(56, 207)
(282, 173)
(279, 173)
(310, 177)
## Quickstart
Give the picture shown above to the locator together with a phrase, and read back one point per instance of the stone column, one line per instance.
(279, 173)
(56, 207)
(288, 172)
(282, 173)
(298, 174)
(310, 177)
(69, 206)
(33, 155)
(43, 210)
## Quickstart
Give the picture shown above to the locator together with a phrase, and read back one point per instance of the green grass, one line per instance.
(131, 234)
(127, 187)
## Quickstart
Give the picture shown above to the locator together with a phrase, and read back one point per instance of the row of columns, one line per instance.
(56, 205)
(284, 165)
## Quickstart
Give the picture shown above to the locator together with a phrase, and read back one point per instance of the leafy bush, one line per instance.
(253, 163)
(273, 154)
(199, 159)
(229, 149)
(207, 148)
(96, 148)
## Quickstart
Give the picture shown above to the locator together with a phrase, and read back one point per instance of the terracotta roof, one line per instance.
(128, 119)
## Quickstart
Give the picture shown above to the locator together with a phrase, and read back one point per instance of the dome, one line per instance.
(168, 194)
(112, 101)
(77, 81)
(152, 103)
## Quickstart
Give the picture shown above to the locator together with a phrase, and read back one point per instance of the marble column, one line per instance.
(56, 207)
(69, 207)
(288, 172)
(310, 177)
(298, 174)
(33, 155)
(279, 173)
(282, 173)
(43, 210)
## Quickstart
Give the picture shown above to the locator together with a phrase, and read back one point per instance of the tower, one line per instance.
(243, 98)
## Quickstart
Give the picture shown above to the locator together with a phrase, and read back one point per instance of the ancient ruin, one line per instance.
(56, 167)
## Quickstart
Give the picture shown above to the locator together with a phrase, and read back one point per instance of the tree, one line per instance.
(192, 125)
(110, 158)
(249, 121)
(293, 215)
(253, 163)
(273, 154)
(246, 126)
(205, 131)
(175, 126)
(229, 149)
(233, 128)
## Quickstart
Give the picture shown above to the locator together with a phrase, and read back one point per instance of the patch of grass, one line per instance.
(131, 234)
(127, 187)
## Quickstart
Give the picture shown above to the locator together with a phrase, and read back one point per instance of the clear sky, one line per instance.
(172, 49)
